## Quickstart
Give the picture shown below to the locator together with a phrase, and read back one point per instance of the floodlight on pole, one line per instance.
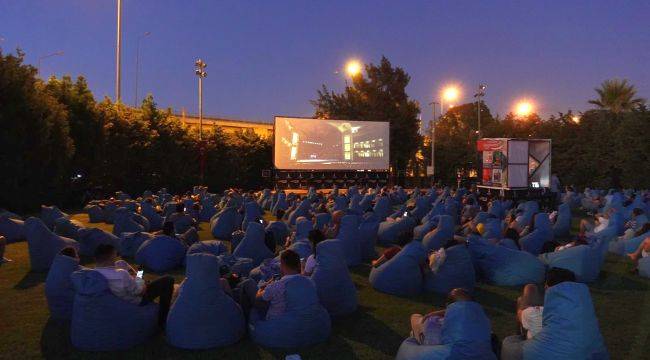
(118, 54)
(137, 66)
(353, 68)
(524, 108)
(575, 119)
(479, 97)
(449, 94)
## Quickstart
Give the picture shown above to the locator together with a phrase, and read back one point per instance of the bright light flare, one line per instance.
(353, 68)
(575, 119)
(450, 93)
(524, 108)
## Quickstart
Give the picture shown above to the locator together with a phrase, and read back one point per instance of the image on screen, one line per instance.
(318, 144)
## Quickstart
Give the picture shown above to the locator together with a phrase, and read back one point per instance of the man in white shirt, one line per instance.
(273, 293)
(125, 284)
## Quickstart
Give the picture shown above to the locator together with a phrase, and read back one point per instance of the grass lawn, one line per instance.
(375, 331)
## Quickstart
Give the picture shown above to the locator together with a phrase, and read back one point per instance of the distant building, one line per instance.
(228, 125)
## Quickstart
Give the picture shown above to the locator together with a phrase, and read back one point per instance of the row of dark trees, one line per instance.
(58, 143)
(605, 147)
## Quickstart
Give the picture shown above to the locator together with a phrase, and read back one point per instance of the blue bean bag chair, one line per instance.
(301, 210)
(251, 213)
(562, 226)
(340, 203)
(366, 202)
(208, 209)
(441, 235)
(182, 223)
(67, 228)
(303, 227)
(390, 230)
(304, 322)
(280, 231)
(569, 327)
(302, 247)
(161, 253)
(109, 212)
(124, 222)
(382, 208)
(50, 213)
(421, 230)
(130, 242)
(280, 204)
(542, 232)
(622, 247)
(95, 213)
(368, 237)
(90, 238)
(348, 238)
(422, 207)
(224, 223)
(155, 220)
(12, 229)
(457, 271)
(322, 220)
(334, 285)
(502, 266)
(238, 265)
(252, 245)
(44, 245)
(212, 247)
(59, 291)
(103, 322)
(203, 316)
(401, 275)
(583, 260)
(465, 334)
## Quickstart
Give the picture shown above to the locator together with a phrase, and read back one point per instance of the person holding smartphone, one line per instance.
(127, 283)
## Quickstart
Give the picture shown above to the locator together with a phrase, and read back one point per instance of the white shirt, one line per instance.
(274, 293)
(121, 283)
(531, 320)
(310, 264)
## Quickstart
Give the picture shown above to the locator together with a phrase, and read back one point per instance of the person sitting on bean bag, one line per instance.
(279, 228)
(450, 268)
(59, 291)
(542, 232)
(149, 212)
(182, 221)
(49, 214)
(90, 238)
(334, 285)
(562, 225)
(294, 317)
(461, 331)
(390, 229)
(502, 266)
(203, 316)
(301, 210)
(403, 273)
(161, 253)
(441, 235)
(569, 325)
(348, 237)
(224, 223)
(252, 245)
(280, 204)
(43, 245)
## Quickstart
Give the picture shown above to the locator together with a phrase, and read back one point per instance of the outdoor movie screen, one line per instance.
(319, 144)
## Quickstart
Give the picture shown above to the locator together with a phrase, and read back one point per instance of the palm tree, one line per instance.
(616, 96)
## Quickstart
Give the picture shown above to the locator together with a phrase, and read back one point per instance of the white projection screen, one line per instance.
(319, 144)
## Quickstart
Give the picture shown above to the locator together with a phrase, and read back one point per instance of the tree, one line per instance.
(379, 97)
(617, 96)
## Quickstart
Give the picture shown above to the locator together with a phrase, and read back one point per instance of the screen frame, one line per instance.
(329, 169)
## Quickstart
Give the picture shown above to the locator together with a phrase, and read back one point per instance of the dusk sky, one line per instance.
(269, 57)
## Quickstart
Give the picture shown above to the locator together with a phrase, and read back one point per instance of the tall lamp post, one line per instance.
(201, 73)
(137, 66)
(118, 56)
(432, 127)
(479, 96)
(58, 53)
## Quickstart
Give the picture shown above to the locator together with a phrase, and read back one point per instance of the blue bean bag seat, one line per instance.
(59, 291)
(67, 228)
(224, 223)
(90, 238)
(441, 235)
(123, 222)
(253, 246)
(569, 327)
(542, 232)
(422, 207)
(304, 322)
(390, 230)
(421, 230)
(401, 275)
(562, 226)
(502, 266)
(303, 227)
(301, 210)
(155, 220)
(95, 213)
(465, 334)
(182, 222)
(238, 265)
(203, 316)
(628, 246)
(109, 212)
(44, 245)
(280, 204)
(382, 208)
(208, 209)
(334, 285)
(583, 260)
(103, 322)
(322, 220)
(50, 213)
(302, 247)
(457, 271)
(189, 237)
(251, 213)
(368, 237)
(161, 253)
(280, 231)
(340, 203)
(130, 242)
(12, 229)
(212, 247)
(348, 238)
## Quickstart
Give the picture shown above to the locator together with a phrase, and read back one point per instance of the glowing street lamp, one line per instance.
(575, 119)
(524, 108)
(450, 94)
(353, 68)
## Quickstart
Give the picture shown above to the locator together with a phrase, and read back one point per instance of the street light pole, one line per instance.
(201, 73)
(118, 57)
(57, 53)
(479, 96)
(433, 142)
(137, 66)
